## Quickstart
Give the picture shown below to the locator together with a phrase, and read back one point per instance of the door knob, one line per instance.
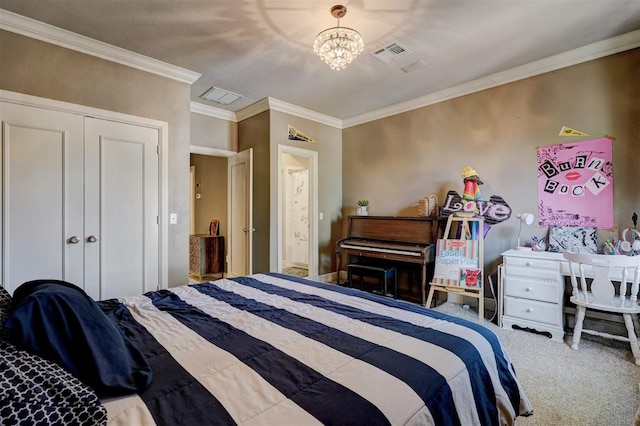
(91, 239)
(73, 240)
(249, 229)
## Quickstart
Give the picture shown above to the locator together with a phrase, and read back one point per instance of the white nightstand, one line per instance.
(533, 289)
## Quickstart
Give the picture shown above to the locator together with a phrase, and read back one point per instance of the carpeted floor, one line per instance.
(298, 272)
(596, 385)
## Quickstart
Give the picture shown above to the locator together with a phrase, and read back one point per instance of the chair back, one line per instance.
(600, 271)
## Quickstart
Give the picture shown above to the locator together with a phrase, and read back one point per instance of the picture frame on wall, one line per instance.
(214, 227)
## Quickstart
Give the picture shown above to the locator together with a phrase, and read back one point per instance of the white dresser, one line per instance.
(532, 291)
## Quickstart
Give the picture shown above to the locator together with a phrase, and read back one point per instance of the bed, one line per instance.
(277, 350)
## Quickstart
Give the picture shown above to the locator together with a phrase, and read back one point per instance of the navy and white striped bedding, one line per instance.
(280, 350)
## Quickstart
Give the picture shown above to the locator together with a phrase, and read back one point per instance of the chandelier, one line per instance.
(338, 46)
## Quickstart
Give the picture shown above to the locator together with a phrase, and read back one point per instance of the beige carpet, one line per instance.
(298, 272)
(596, 385)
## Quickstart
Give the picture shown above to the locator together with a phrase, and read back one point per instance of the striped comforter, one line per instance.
(280, 350)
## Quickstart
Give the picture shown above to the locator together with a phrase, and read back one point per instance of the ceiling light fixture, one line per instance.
(338, 46)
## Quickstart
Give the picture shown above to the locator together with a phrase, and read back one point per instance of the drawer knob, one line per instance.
(529, 288)
(529, 309)
(529, 263)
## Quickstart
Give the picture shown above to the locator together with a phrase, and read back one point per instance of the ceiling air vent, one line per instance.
(391, 52)
(220, 96)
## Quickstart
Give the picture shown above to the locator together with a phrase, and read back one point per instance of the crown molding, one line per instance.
(211, 111)
(28, 27)
(288, 108)
(573, 57)
(281, 106)
(254, 109)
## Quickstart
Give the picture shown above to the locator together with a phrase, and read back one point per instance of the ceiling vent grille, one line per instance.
(220, 96)
(391, 52)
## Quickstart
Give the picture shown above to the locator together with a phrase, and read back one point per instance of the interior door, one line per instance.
(42, 195)
(121, 205)
(240, 214)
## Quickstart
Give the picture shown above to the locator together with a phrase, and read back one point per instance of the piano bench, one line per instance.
(382, 272)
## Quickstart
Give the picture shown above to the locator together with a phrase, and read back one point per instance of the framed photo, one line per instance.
(214, 228)
(471, 277)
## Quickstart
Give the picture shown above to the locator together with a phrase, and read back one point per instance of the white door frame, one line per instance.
(192, 200)
(163, 159)
(312, 156)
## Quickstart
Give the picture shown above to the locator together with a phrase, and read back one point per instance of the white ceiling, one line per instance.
(263, 48)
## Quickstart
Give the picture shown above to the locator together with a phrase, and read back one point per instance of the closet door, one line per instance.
(42, 195)
(121, 209)
(80, 202)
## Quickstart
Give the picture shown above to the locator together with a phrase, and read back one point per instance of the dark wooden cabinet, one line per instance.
(206, 255)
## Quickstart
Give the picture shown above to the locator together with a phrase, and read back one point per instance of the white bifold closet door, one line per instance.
(79, 201)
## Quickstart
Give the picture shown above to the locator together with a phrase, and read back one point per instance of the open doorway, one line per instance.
(297, 206)
(208, 203)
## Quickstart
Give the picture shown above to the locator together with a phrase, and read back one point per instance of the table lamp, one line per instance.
(527, 219)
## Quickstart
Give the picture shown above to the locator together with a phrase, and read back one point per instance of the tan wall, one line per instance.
(212, 132)
(393, 162)
(211, 176)
(36, 68)
(254, 133)
(398, 160)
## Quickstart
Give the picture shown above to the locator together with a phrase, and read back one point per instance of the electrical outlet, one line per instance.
(173, 218)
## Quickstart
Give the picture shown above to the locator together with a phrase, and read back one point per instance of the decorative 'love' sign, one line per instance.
(494, 211)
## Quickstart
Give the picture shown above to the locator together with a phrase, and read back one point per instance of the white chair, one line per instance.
(592, 279)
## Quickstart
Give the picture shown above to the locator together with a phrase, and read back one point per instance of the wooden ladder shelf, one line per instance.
(467, 228)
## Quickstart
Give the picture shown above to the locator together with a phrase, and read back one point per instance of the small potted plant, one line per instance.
(363, 207)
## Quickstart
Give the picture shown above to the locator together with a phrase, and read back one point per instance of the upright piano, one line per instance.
(393, 239)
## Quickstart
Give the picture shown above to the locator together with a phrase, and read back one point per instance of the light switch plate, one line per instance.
(173, 218)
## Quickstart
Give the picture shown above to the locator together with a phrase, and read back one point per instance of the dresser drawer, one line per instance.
(531, 310)
(539, 269)
(531, 263)
(545, 291)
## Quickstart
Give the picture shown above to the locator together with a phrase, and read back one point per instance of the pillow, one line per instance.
(5, 310)
(60, 322)
(34, 391)
(577, 239)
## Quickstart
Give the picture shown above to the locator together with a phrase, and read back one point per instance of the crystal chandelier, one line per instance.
(338, 46)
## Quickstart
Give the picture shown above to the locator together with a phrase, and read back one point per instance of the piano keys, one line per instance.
(404, 239)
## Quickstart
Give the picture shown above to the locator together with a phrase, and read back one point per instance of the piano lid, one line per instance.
(383, 249)
(405, 229)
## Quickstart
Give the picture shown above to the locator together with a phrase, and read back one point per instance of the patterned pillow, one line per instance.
(5, 310)
(34, 391)
(577, 239)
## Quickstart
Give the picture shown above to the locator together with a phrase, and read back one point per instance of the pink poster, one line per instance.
(575, 184)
